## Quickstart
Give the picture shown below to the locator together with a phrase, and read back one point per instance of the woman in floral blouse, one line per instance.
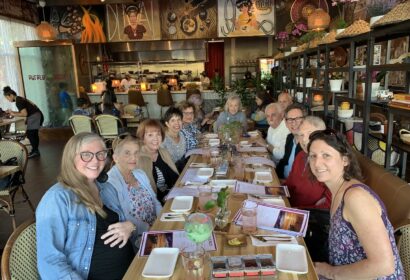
(137, 198)
(189, 126)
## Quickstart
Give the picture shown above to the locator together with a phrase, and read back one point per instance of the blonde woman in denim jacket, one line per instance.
(81, 230)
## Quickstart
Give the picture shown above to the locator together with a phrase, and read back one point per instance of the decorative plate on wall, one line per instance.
(301, 9)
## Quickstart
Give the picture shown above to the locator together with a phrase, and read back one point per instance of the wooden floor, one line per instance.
(40, 175)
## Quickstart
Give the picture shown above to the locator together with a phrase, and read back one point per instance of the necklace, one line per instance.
(334, 198)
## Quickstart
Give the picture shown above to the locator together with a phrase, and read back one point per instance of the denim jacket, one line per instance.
(66, 232)
(118, 182)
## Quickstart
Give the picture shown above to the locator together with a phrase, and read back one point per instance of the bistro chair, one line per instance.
(164, 99)
(80, 123)
(8, 150)
(19, 259)
(109, 126)
(129, 109)
(135, 97)
(403, 244)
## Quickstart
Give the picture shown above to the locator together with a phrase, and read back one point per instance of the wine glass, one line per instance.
(198, 228)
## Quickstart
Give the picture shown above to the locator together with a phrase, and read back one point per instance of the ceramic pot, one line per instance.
(336, 85)
(309, 82)
(374, 19)
(375, 87)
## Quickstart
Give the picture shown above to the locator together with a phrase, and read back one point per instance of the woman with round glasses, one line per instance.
(82, 232)
(137, 198)
(361, 239)
(189, 126)
(155, 160)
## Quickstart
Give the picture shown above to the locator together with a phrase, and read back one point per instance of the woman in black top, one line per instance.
(35, 118)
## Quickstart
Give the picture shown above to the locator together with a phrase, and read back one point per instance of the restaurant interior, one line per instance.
(205, 139)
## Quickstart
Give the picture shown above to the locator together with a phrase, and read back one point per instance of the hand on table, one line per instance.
(118, 233)
(324, 269)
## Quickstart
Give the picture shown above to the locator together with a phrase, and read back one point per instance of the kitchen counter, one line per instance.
(210, 98)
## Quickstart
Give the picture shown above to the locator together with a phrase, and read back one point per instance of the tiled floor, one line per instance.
(41, 173)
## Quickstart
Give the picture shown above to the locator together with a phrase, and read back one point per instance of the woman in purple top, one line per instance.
(361, 240)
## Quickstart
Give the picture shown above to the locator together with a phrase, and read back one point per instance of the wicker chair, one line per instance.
(80, 123)
(19, 259)
(135, 97)
(9, 149)
(109, 126)
(403, 245)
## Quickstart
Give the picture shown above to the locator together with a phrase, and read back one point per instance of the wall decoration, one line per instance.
(84, 24)
(182, 19)
(134, 21)
(20, 9)
(246, 18)
(398, 47)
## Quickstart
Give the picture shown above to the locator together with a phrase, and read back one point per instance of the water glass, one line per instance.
(193, 260)
(204, 195)
(249, 216)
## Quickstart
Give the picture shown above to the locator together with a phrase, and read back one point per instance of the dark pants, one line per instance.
(34, 139)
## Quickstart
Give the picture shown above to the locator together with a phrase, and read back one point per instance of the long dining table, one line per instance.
(234, 203)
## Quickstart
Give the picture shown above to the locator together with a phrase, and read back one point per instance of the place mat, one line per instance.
(356, 28)
(398, 14)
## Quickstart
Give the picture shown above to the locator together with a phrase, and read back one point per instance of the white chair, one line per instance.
(80, 123)
(109, 126)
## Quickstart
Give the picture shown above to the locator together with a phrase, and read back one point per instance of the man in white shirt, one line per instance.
(277, 131)
(127, 82)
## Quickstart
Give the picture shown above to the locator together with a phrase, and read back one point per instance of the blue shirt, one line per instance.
(66, 232)
(190, 132)
(291, 159)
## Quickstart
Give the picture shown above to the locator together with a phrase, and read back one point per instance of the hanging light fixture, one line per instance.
(45, 30)
(319, 19)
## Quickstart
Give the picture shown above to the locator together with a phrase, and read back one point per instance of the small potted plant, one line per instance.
(230, 132)
(377, 77)
(336, 81)
(309, 79)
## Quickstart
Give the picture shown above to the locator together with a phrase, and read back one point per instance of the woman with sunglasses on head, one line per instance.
(174, 140)
(361, 239)
(137, 198)
(82, 232)
(155, 160)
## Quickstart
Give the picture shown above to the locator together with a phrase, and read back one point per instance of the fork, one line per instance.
(273, 238)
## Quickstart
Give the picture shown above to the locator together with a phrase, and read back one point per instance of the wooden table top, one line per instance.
(8, 170)
(234, 203)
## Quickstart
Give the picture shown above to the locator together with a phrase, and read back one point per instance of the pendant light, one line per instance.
(45, 30)
(319, 19)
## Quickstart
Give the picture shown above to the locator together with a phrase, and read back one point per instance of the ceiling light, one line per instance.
(45, 31)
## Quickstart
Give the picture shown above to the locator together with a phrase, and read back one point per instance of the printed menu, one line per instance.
(248, 188)
(279, 219)
(171, 239)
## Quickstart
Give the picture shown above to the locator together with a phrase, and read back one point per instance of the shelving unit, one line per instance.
(366, 105)
(237, 72)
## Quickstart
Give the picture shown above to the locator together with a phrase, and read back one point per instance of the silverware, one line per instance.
(273, 239)
(173, 217)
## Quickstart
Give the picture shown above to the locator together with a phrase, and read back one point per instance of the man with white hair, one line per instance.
(305, 191)
(277, 131)
(284, 99)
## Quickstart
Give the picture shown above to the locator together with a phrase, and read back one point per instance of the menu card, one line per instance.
(248, 188)
(259, 160)
(279, 219)
(191, 178)
(252, 149)
(171, 239)
(200, 151)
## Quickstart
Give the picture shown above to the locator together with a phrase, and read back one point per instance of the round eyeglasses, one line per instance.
(88, 156)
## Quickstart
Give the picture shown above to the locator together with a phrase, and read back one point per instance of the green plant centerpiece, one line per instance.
(230, 132)
(222, 217)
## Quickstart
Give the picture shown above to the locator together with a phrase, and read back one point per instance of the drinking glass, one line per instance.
(198, 228)
(193, 261)
(205, 195)
(249, 216)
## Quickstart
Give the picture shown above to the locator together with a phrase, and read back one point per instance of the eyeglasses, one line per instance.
(297, 119)
(88, 156)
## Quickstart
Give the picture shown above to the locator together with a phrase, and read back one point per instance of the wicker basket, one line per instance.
(398, 14)
(356, 28)
(329, 38)
(279, 55)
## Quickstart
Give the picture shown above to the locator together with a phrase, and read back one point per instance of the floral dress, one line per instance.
(142, 205)
(344, 244)
(191, 132)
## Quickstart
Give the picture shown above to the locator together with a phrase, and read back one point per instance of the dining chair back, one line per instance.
(13, 149)
(403, 245)
(129, 109)
(164, 99)
(135, 97)
(80, 123)
(108, 126)
(19, 259)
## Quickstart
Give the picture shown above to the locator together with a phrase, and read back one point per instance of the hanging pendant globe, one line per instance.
(318, 20)
(46, 32)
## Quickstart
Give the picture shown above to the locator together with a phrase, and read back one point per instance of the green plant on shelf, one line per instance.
(311, 35)
(336, 76)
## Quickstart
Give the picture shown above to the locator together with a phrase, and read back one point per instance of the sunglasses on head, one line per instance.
(327, 132)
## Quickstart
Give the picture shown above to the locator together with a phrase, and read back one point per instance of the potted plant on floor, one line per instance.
(336, 81)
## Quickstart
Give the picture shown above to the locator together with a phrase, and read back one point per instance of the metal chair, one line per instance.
(403, 245)
(135, 97)
(9, 149)
(164, 99)
(19, 259)
(109, 126)
(80, 123)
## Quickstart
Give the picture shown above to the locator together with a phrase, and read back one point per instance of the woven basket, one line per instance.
(329, 38)
(356, 28)
(398, 14)
(279, 55)
(302, 47)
